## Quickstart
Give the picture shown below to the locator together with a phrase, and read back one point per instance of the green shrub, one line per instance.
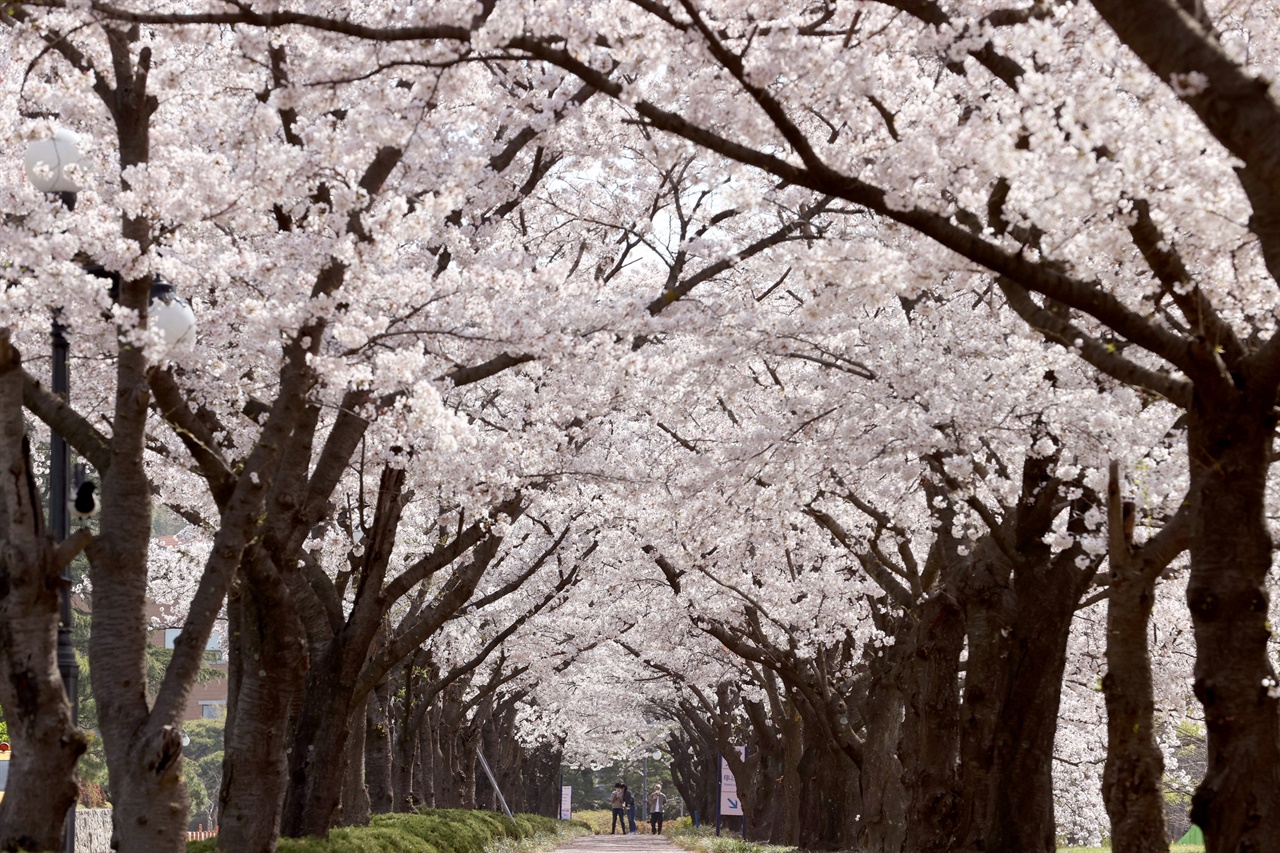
(362, 839)
(450, 830)
(704, 840)
(430, 831)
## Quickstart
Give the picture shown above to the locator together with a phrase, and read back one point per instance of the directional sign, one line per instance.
(566, 802)
(729, 802)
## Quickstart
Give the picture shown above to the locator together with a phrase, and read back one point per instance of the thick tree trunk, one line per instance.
(832, 799)
(988, 609)
(428, 749)
(318, 748)
(1229, 445)
(355, 809)
(377, 751)
(467, 773)
(266, 661)
(1132, 778)
(46, 743)
(144, 752)
(404, 767)
(931, 728)
(1017, 653)
(791, 730)
(1023, 817)
(685, 774)
(884, 800)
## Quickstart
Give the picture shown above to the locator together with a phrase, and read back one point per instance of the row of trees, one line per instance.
(771, 358)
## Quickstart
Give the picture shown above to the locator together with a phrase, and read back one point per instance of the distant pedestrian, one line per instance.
(619, 804)
(656, 801)
(631, 806)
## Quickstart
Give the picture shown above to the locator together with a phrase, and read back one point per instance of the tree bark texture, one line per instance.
(46, 743)
(318, 746)
(355, 794)
(1229, 445)
(931, 728)
(428, 748)
(267, 655)
(1019, 602)
(377, 750)
(1133, 775)
(832, 797)
(884, 799)
(144, 752)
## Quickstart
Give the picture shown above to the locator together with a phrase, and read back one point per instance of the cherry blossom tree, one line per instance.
(763, 293)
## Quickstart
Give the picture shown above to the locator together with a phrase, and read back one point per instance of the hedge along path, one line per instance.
(617, 844)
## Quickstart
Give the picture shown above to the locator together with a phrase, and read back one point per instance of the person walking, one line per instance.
(619, 804)
(656, 801)
(630, 802)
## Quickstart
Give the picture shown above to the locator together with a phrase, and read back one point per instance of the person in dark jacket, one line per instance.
(619, 806)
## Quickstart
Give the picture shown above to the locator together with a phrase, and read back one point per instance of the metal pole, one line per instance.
(494, 782)
(644, 788)
(60, 521)
(719, 786)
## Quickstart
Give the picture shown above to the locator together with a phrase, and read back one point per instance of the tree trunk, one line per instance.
(832, 798)
(467, 772)
(318, 748)
(428, 749)
(1023, 818)
(42, 785)
(143, 751)
(988, 604)
(791, 728)
(1229, 445)
(1132, 778)
(1017, 655)
(404, 765)
(264, 683)
(377, 751)
(884, 801)
(931, 728)
(355, 809)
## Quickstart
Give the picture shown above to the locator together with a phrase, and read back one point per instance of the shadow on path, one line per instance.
(617, 844)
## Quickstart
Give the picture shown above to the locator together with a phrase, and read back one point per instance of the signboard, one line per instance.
(729, 802)
(566, 804)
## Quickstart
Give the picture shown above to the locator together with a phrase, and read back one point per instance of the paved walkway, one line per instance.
(618, 844)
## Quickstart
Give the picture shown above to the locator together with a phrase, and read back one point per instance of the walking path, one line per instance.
(617, 844)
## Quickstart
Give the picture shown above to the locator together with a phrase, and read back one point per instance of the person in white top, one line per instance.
(656, 801)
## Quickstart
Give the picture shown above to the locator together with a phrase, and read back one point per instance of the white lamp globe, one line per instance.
(171, 316)
(47, 162)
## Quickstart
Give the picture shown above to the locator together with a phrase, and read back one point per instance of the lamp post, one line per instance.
(46, 164)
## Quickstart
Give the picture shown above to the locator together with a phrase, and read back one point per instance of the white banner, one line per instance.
(729, 802)
(566, 802)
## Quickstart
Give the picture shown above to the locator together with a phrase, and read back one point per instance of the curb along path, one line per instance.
(617, 844)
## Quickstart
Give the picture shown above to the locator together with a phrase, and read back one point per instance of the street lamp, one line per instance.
(171, 315)
(47, 165)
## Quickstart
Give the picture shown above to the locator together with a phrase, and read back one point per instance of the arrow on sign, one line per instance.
(733, 804)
